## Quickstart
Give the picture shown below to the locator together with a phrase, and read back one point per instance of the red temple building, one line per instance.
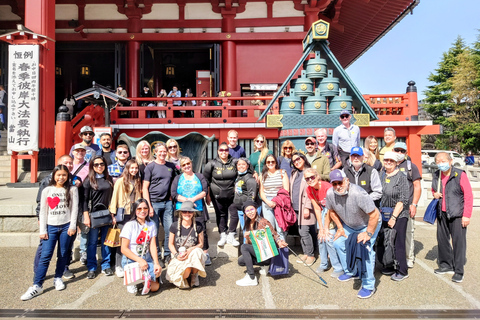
(244, 49)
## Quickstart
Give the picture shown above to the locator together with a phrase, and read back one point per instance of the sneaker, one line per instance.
(208, 262)
(309, 261)
(132, 289)
(443, 270)
(345, 277)
(388, 271)
(336, 274)
(91, 275)
(410, 264)
(365, 293)
(108, 272)
(223, 239)
(167, 259)
(195, 281)
(161, 262)
(398, 277)
(320, 269)
(264, 270)
(83, 258)
(58, 283)
(457, 277)
(247, 281)
(231, 239)
(32, 292)
(67, 274)
(119, 272)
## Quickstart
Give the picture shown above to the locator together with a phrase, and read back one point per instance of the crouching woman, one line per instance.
(254, 222)
(136, 234)
(186, 243)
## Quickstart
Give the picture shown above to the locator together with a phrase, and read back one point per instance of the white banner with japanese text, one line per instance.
(23, 100)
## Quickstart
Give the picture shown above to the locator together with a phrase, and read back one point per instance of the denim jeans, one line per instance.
(326, 249)
(83, 242)
(38, 254)
(368, 279)
(55, 234)
(92, 248)
(270, 216)
(164, 212)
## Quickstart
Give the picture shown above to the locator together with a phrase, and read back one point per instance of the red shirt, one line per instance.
(319, 195)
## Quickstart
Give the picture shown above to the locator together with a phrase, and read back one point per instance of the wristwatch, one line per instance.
(416, 205)
(370, 234)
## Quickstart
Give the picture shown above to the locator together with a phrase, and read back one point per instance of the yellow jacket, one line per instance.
(121, 197)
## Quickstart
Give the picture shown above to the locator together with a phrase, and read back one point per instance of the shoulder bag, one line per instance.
(100, 218)
(432, 210)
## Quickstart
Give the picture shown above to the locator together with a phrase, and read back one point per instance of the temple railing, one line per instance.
(392, 107)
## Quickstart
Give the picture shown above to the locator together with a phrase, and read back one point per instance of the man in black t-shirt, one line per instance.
(158, 178)
(106, 150)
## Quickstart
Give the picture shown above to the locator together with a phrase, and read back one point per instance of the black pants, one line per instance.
(448, 257)
(344, 156)
(308, 236)
(221, 212)
(400, 252)
(249, 259)
(233, 212)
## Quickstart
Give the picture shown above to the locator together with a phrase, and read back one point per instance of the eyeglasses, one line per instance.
(389, 161)
(186, 164)
(259, 141)
(344, 116)
(337, 183)
(400, 150)
(311, 178)
(142, 209)
(88, 134)
(187, 212)
(297, 159)
(222, 150)
(309, 144)
(270, 162)
(172, 147)
(122, 152)
(287, 148)
(96, 165)
(250, 210)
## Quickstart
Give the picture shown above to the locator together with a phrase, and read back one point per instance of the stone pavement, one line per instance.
(301, 289)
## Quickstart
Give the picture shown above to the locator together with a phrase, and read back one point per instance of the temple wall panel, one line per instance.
(200, 11)
(253, 10)
(103, 12)
(66, 12)
(163, 11)
(282, 9)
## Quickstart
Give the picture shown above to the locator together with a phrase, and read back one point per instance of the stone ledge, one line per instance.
(17, 239)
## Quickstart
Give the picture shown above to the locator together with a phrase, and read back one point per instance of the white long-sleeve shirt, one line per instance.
(53, 208)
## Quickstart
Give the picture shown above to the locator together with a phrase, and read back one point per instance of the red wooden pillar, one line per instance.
(133, 69)
(229, 57)
(40, 18)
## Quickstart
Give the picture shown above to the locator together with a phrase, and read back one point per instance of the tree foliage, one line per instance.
(453, 100)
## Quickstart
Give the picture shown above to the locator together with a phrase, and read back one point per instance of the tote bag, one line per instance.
(431, 213)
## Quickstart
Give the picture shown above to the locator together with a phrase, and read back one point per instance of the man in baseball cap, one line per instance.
(414, 177)
(346, 136)
(310, 147)
(87, 135)
(355, 214)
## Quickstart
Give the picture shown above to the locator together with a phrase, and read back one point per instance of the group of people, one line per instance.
(353, 207)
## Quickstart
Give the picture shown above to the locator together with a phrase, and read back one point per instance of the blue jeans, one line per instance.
(83, 242)
(55, 234)
(326, 249)
(164, 212)
(368, 279)
(38, 254)
(92, 248)
(270, 216)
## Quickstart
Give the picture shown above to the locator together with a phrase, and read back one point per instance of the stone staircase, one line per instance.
(4, 159)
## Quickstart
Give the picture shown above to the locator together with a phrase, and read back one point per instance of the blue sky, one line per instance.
(413, 48)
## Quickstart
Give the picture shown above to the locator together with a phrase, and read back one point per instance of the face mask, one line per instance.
(340, 194)
(242, 172)
(444, 166)
(400, 157)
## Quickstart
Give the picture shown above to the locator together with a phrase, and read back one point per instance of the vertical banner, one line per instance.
(23, 100)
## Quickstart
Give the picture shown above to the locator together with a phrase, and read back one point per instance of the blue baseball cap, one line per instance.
(337, 175)
(400, 145)
(345, 112)
(357, 151)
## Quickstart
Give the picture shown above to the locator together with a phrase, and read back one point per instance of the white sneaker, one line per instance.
(132, 289)
(119, 272)
(195, 281)
(247, 281)
(231, 240)
(32, 292)
(223, 239)
(264, 270)
(58, 283)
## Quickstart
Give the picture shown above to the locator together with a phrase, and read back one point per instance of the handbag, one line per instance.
(432, 210)
(113, 237)
(386, 213)
(100, 218)
(279, 263)
(120, 215)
